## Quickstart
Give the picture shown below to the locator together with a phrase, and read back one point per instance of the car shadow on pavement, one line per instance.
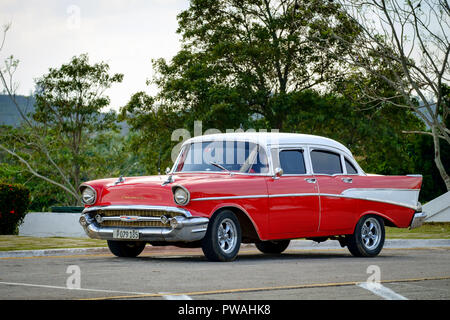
(254, 257)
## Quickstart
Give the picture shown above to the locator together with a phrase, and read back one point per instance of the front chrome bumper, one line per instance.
(417, 220)
(186, 229)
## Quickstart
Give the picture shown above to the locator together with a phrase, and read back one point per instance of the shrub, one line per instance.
(14, 202)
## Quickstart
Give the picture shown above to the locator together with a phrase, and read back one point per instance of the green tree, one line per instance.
(51, 144)
(69, 101)
(241, 58)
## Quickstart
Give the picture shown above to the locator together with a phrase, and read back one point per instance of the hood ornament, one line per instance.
(120, 180)
(170, 179)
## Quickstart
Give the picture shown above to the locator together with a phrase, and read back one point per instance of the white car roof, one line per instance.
(272, 139)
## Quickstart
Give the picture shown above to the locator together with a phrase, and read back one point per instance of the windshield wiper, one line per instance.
(220, 167)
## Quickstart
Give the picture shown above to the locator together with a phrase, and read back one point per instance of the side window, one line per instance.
(326, 162)
(292, 162)
(350, 167)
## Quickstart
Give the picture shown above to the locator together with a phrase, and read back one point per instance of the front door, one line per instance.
(293, 197)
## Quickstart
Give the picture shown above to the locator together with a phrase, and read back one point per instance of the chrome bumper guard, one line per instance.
(417, 220)
(184, 229)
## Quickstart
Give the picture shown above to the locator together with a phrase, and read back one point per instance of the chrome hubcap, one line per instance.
(227, 235)
(371, 233)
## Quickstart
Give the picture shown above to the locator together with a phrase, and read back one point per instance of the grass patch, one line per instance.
(10, 243)
(429, 230)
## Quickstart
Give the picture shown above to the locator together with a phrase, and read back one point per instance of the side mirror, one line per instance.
(167, 170)
(278, 173)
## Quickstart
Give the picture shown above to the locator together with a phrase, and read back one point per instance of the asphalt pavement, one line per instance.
(405, 270)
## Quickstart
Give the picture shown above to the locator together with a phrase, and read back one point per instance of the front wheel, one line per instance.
(128, 249)
(272, 247)
(368, 238)
(223, 237)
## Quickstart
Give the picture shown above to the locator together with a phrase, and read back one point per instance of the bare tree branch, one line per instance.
(10, 90)
(389, 30)
(32, 171)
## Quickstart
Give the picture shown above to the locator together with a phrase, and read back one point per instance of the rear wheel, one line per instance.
(368, 238)
(127, 249)
(272, 247)
(223, 237)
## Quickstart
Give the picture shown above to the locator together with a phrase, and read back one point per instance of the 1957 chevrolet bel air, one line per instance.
(262, 188)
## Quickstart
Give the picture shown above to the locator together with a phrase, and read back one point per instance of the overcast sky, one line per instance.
(126, 34)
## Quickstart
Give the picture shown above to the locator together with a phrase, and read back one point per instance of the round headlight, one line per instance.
(181, 196)
(88, 196)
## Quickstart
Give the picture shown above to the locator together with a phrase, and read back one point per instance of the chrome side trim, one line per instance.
(258, 196)
(378, 189)
(232, 197)
(293, 195)
(410, 202)
(182, 211)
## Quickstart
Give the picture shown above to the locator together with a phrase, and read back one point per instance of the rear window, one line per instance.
(350, 168)
(292, 162)
(326, 162)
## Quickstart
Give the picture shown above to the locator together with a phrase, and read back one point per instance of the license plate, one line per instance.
(126, 234)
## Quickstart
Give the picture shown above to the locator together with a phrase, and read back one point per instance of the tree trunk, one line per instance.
(437, 159)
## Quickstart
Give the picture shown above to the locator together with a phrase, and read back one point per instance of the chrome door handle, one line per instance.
(347, 180)
(310, 180)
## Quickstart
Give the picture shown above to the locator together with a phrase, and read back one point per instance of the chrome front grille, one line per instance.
(139, 213)
(118, 216)
(133, 224)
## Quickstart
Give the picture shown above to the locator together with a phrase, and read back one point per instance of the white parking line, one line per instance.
(65, 288)
(164, 295)
(169, 296)
(381, 291)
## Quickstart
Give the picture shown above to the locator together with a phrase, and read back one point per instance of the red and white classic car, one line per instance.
(262, 188)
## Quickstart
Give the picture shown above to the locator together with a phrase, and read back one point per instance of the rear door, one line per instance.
(337, 212)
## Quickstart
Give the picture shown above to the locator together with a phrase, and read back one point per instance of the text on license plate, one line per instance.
(125, 234)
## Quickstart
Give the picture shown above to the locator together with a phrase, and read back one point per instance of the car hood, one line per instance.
(144, 190)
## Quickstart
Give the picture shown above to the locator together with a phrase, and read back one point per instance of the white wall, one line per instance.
(438, 210)
(52, 224)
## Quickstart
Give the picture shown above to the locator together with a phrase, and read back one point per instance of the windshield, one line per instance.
(233, 156)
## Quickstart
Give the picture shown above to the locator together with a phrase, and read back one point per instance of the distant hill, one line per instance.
(10, 116)
(8, 111)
